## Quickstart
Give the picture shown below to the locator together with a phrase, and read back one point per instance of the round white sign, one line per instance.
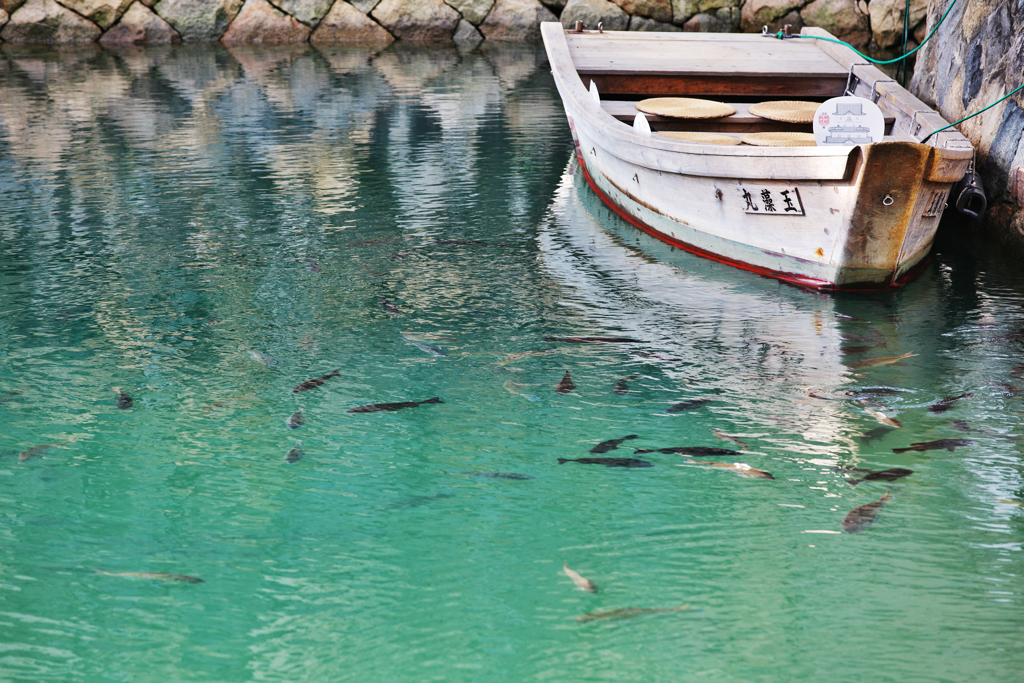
(848, 120)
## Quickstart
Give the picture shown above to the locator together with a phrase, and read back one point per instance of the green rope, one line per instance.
(780, 35)
(901, 70)
(1007, 95)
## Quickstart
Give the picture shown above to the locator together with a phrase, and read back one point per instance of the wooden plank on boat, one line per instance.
(715, 86)
(698, 55)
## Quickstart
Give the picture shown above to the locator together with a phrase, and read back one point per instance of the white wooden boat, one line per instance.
(863, 216)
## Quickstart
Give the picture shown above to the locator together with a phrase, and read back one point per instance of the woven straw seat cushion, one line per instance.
(684, 108)
(790, 112)
(779, 139)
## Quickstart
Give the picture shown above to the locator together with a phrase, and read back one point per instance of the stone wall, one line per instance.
(976, 57)
(873, 24)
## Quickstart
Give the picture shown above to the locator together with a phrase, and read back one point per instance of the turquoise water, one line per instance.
(167, 212)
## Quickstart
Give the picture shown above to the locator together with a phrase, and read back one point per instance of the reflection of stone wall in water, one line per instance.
(976, 57)
(877, 24)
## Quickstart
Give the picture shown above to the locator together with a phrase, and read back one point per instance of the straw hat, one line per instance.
(790, 112)
(706, 138)
(779, 139)
(684, 108)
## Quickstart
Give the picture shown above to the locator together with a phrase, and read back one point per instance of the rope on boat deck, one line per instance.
(782, 34)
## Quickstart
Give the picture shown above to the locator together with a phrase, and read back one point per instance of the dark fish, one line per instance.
(621, 388)
(858, 338)
(692, 404)
(608, 462)
(314, 383)
(692, 450)
(627, 613)
(36, 451)
(876, 433)
(949, 444)
(9, 396)
(565, 385)
(1008, 389)
(859, 349)
(882, 475)
(296, 420)
(611, 444)
(593, 340)
(416, 501)
(369, 243)
(312, 266)
(875, 392)
(124, 401)
(154, 576)
(1018, 370)
(945, 404)
(295, 454)
(499, 475)
(389, 407)
(728, 437)
(389, 308)
(860, 518)
(961, 426)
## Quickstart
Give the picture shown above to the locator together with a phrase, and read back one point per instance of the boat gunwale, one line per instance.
(554, 34)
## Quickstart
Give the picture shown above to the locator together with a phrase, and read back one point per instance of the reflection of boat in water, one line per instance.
(757, 349)
(828, 217)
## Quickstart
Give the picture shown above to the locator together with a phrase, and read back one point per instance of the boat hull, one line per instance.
(833, 244)
(832, 218)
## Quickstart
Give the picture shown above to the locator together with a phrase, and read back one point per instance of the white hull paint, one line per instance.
(854, 216)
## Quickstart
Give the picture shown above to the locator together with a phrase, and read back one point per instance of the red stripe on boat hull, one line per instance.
(789, 278)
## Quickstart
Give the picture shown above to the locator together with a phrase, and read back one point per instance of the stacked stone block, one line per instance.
(864, 23)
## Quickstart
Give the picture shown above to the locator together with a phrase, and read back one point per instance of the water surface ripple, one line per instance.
(204, 229)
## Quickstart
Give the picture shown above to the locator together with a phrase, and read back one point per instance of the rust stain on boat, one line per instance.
(888, 178)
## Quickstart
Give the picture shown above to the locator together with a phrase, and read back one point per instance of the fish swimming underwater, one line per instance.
(608, 462)
(370, 243)
(691, 450)
(261, 357)
(949, 444)
(154, 576)
(847, 350)
(388, 307)
(296, 420)
(124, 401)
(881, 475)
(295, 454)
(314, 383)
(733, 439)
(593, 340)
(312, 266)
(621, 388)
(1008, 389)
(738, 468)
(876, 433)
(391, 407)
(946, 403)
(627, 613)
(582, 583)
(565, 385)
(611, 444)
(860, 518)
(38, 451)
(427, 348)
(876, 362)
(493, 475)
(880, 416)
(512, 387)
(691, 404)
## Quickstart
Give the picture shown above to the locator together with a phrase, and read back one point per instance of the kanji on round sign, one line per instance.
(823, 119)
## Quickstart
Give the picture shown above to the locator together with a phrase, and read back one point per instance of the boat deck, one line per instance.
(634, 63)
